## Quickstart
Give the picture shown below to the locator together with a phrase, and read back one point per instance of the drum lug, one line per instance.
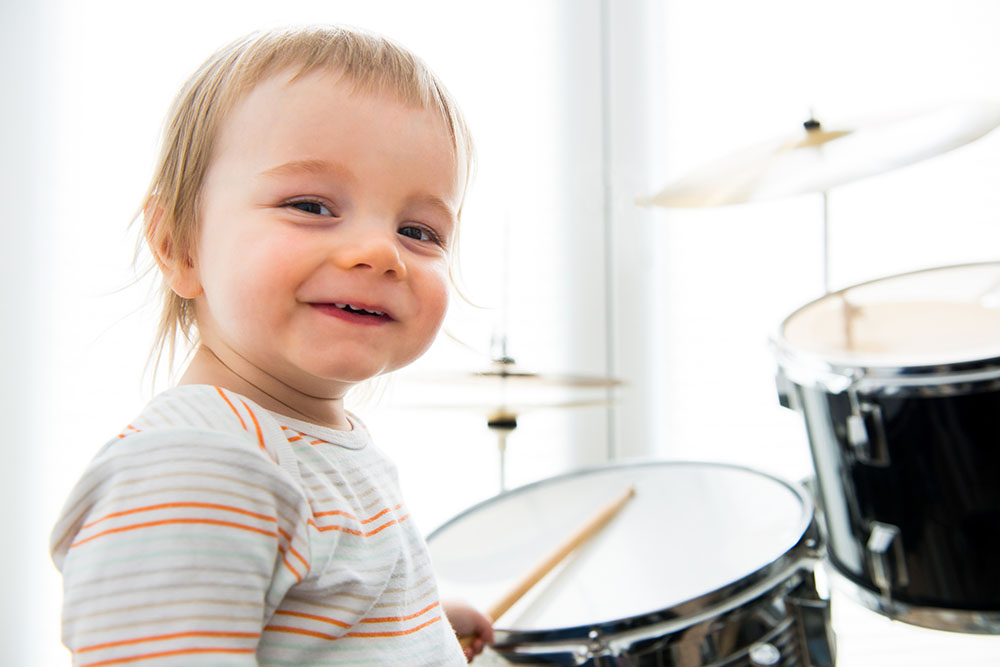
(602, 653)
(786, 392)
(764, 655)
(596, 647)
(885, 549)
(866, 432)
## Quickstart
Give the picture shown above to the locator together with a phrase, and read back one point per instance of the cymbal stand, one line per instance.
(850, 310)
(502, 423)
(826, 241)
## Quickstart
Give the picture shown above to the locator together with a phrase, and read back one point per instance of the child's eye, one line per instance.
(311, 207)
(419, 233)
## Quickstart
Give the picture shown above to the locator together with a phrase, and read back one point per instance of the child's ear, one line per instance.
(179, 272)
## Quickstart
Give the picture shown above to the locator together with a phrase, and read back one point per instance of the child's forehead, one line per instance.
(369, 89)
(323, 118)
(317, 98)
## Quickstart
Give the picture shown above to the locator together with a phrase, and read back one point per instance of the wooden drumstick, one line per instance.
(587, 530)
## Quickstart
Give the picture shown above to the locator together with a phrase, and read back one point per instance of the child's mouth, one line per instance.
(354, 313)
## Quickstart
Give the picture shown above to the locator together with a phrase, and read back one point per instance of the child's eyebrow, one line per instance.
(433, 201)
(308, 166)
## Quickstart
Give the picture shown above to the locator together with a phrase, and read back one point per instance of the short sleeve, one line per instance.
(178, 544)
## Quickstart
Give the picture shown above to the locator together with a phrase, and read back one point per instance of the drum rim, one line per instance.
(806, 549)
(837, 374)
(808, 369)
(602, 641)
(934, 618)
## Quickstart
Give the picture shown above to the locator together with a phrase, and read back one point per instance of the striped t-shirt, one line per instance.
(214, 532)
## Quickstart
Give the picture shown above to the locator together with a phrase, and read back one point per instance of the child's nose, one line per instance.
(372, 249)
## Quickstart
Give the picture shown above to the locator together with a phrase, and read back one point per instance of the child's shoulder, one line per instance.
(202, 408)
(204, 415)
(190, 446)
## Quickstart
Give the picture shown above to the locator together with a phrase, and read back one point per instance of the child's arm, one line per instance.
(176, 544)
(470, 625)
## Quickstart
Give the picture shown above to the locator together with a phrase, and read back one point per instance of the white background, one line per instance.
(578, 107)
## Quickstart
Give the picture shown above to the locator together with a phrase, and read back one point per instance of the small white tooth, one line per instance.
(348, 306)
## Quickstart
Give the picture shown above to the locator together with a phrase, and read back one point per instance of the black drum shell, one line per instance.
(940, 485)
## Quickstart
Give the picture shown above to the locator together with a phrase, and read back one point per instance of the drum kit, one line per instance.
(709, 564)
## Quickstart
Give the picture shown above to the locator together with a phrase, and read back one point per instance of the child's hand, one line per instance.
(474, 628)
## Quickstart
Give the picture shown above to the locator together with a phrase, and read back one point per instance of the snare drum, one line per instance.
(708, 564)
(898, 380)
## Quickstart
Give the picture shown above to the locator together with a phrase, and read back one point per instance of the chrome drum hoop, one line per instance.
(783, 621)
(935, 618)
(964, 377)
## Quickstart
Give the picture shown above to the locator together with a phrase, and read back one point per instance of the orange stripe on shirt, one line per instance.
(386, 525)
(288, 538)
(342, 513)
(175, 635)
(298, 577)
(166, 654)
(342, 624)
(260, 435)
(300, 436)
(131, 428)
(153, 508)
(396, 619)
(397, 633)
(313, 617)
(164, 522)
(351, 516)
(232, 407)
(300, 631)
(359, 635)
(296, 553)
(360, 533)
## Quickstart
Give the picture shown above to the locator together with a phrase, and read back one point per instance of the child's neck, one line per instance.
(207, 367)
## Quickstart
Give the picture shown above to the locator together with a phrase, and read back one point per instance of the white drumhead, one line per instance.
(690, 529)
(937, 316)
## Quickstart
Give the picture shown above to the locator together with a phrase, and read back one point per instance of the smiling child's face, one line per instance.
(327, 217)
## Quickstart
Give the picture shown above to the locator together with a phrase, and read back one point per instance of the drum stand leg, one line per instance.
(814, 624)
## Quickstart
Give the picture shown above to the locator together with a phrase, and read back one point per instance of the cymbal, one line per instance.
(816, 158)
(494, 411)
(506, 372)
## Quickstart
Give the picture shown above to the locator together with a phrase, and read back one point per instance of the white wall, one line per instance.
(23, 376)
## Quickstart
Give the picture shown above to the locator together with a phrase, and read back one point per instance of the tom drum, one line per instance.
(898, 380)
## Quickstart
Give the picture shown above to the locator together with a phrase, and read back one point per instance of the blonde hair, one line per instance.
(373, 64)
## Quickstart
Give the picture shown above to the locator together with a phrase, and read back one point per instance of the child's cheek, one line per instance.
(437, 300)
